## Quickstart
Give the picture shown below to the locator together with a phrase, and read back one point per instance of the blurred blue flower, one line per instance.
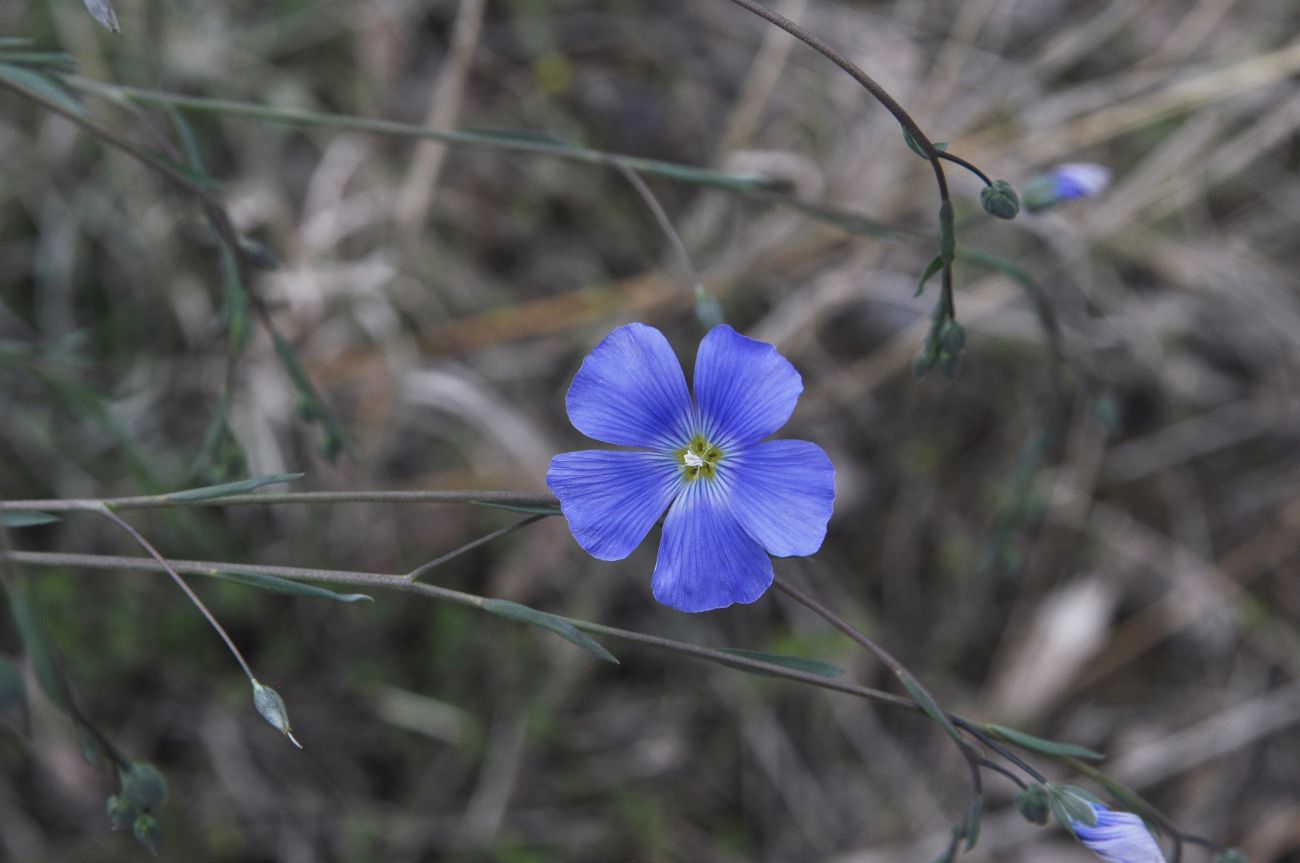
(732, 497)
(1119, 837)
(1065, 183)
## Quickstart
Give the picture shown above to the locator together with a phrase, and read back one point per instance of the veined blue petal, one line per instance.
(782, 493)
(631, 391)
(706, 560)
(1119, 837)
(1080, 180)
(744, 389)
(611, 499)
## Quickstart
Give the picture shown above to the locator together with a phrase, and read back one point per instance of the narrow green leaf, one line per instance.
(1042, 745)
(225, 489)
(528, 508)
(797, 663)
(36, 643)
(929, 707)
(558, 625)
(275, 584)
(973, 818)
(27, 518)
(934, 266)
(916, 148)
(947, 233)
(40, 87)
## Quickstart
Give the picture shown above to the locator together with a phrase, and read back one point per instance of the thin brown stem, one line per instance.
(161, 501)
(415, 574)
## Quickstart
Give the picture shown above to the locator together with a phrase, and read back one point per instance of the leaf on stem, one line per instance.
(528, 508)
(929, 707)
(558, 625)
(40, 86)
(1042, 745)
(26, 518)
(275, 584)
(225, 489)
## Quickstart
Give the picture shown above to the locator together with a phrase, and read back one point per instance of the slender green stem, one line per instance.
(162, 501)
(470, 546)
(180, 582)
(518, 143)
(665, 225)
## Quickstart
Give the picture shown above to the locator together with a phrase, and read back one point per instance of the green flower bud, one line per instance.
(121, 811)
(148, 832)
(269, 703)
(1032, 803)
(1230, 855)
(999, 199)
(144, 785)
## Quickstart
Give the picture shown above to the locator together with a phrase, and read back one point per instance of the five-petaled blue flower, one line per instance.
(732, 497)
(1119, 837)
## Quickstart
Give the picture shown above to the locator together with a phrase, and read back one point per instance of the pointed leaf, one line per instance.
(26, 518)
(1039, 744)
(102, 11)
(929, 707)
(40, 87)
(797, 663)
(37, 645)
(225, 489)
(971, 830)
(558, 625)
(528, 508)
(934, 266)
(275, 584)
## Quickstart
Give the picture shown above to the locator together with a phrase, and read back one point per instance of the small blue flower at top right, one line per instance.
(1065, 183)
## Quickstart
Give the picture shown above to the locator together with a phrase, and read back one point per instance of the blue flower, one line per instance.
(732, 497)
(1065, 183)
(1118, 837)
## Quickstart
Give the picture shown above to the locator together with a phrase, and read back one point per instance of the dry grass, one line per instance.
(1104, 552)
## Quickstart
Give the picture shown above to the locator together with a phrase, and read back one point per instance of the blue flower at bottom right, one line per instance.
(1118, 837)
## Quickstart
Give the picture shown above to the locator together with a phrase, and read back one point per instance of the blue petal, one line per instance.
(631, 391)
(1119, 837)
(744, 389)
(706, 560)
(782, 492)
(612, 499)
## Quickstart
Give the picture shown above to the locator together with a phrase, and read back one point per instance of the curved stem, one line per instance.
(180, 582)
(879, 93)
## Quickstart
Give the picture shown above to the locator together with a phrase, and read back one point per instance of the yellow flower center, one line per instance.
(699, 459)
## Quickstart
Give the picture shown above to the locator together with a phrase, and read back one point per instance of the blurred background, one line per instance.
(1092, 533)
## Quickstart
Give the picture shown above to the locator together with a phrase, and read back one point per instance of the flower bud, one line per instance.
(144, 786)
(999, 199)
(121, 811)
(148, 832)
(1032, 804)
